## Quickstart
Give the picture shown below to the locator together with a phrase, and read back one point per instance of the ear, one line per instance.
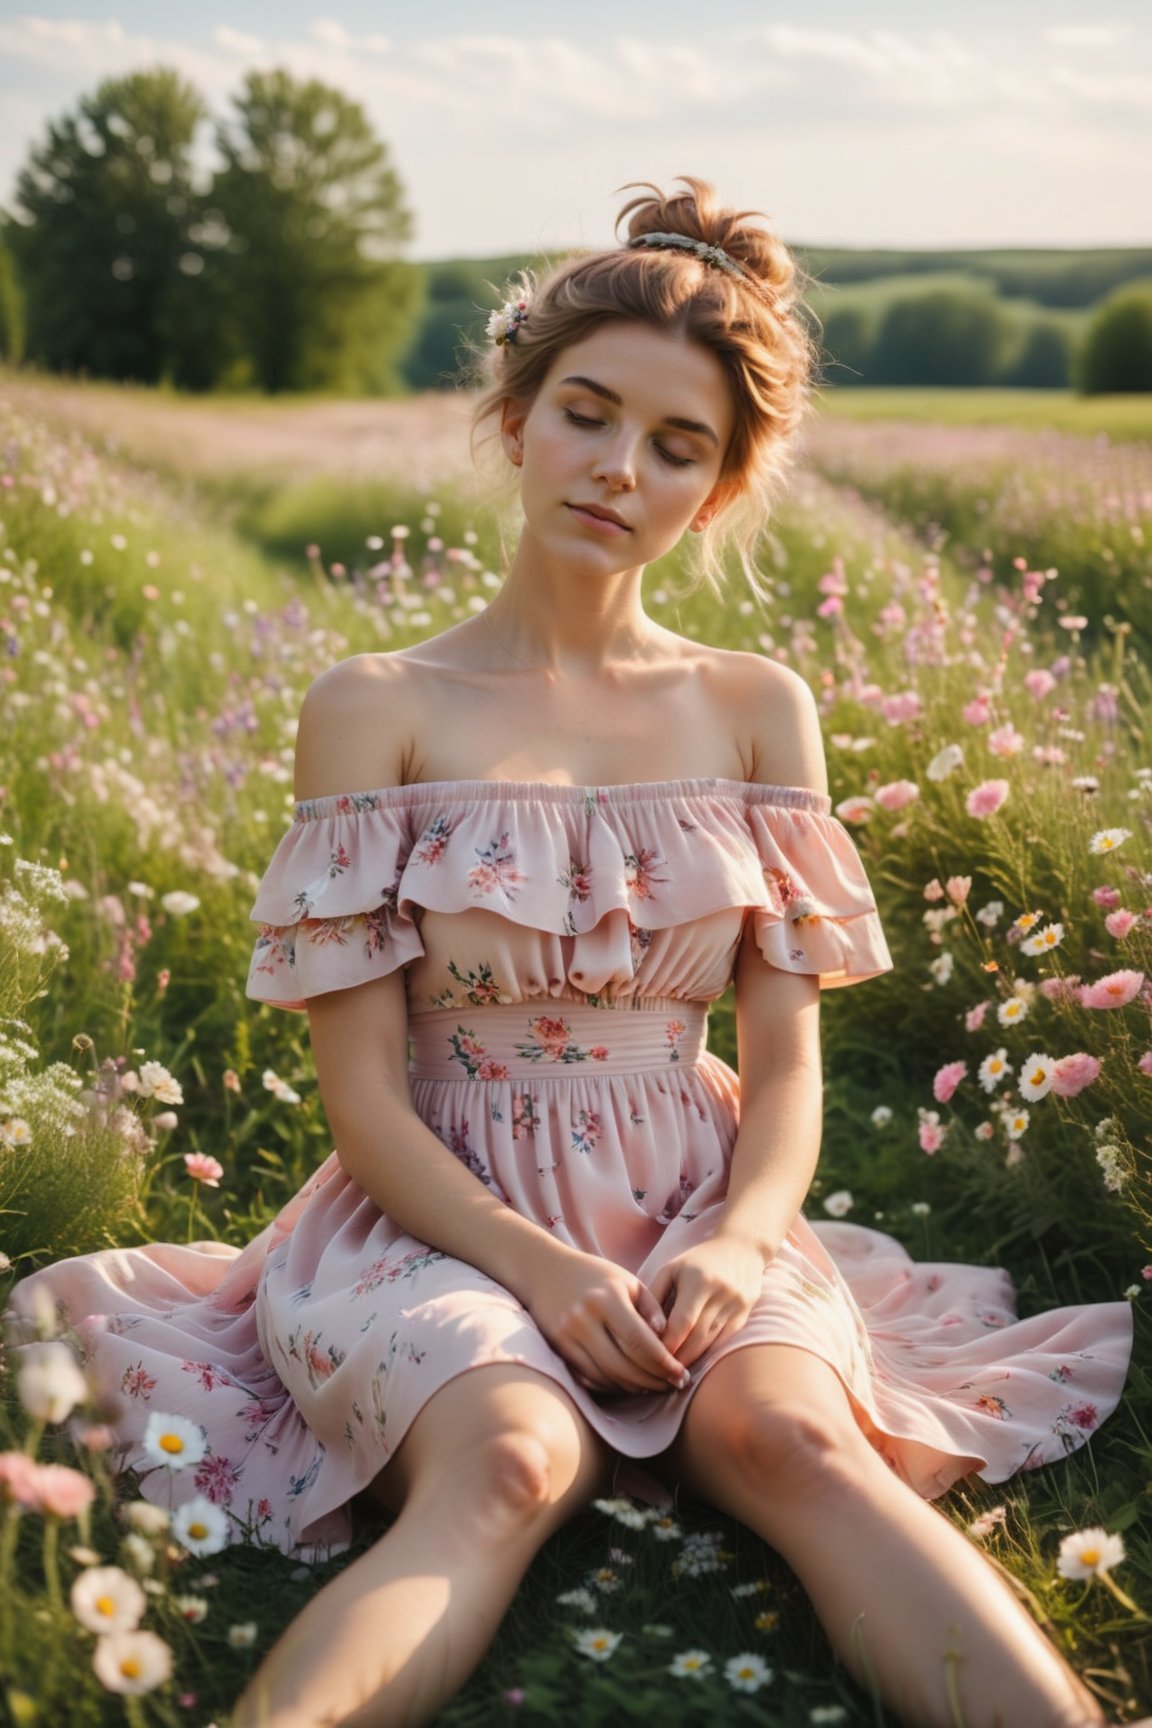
(512, 418)
(721, 494)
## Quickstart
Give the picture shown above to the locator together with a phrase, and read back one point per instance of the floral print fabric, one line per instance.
(560, 947)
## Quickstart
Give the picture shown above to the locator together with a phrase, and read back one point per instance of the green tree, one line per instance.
(1044, 360)
(846, 341)
(11, 308)
(104, 212)
(316, 216)
(942, 337)
(1116, 353)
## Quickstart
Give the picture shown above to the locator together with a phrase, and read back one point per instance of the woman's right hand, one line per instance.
(606, 1325)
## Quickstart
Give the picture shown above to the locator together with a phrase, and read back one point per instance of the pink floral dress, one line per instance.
(561, 946)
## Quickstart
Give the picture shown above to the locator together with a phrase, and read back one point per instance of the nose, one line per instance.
(616, 464)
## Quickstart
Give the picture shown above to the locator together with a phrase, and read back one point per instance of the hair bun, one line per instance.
(698, 216)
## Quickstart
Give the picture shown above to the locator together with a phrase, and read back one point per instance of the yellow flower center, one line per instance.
(1036, 1078)
(197, 1532)
(1090, 1556)
(130, 1668)
(105, 1605)
(171, 1443)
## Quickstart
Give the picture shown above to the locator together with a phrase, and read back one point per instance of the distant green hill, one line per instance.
(1037, 298)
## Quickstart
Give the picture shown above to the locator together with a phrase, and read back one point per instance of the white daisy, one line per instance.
(690, 1665)
(49, 1382)
(747, 1673)
(994, 1070)
(991, 914)
(143, 1516)
(945, 762)
(1035, 1077)
(132, 1662)
(1043, 940)
(107, 1599)
(599, 1645)
(1016, 1123)
(200, 1526)
(191, 1608)
(242, 1636)
(1108, 839)
(839, 1205)
(1089, 1553)
(882, 1115)
(174, 1441)
(1012, 1010)
(156, 1082)
(941, 967)
(581, 1599)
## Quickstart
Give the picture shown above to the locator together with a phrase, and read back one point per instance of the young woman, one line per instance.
(557, 1236)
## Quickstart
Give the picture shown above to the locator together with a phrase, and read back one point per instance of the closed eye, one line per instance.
(586, 420)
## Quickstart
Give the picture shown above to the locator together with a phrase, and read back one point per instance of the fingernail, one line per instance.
(684, 1380)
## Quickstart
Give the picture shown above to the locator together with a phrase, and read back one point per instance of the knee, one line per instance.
(519, 1475)
(787, 1449)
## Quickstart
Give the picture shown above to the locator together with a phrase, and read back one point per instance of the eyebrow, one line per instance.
(676, 420)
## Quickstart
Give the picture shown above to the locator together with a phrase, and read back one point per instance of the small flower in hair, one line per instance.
(503, 326)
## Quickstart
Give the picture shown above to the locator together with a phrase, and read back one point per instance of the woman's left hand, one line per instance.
(707, 1293)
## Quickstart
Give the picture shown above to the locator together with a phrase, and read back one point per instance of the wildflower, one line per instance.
(174, 1442)
(231, 1080)
(581, 1599)
(1111, 1161)
(242, 1636)
(974, 1018)
(1085, 783)
(747, 1673)
(150, 1520)
(1039, 683)
(767, 1620)
(156, 1082)
(665, 1529)
(947, 1079)
(945, 762)
(1071, 1074)
(61, 1492)
(1065, 989)
(279, 1088)
(598, 1645)
(1119, 923)
(958, 888)
(200, 1526)
(15, 1132)
(107, 1599)
(930, 1133)
(1006, 741)
(941, 967)
(1114, 991)
(991, 914)
(1035, 1078)
(1089, 1553)
(978, 712)
(920, 1208)
(882, 1114)
(624, 1511)
(178, 904)
(896, 794)
(1016, 1123)
(166, 1121)
(984, 800)
(983, 1130)
(690, 1665)
(1106, 896)
(132, 1662)
(605, 1579)
(1108, 839)
(194, 1609)
(857, 810)
(1011, 1010)
(933, 890)
(50, 1383)
(17, 1479)
(838, 1205)
(139, 1551)
(1042, 941)
(204, 1169)
(986, 1522)
(994, 1070)
(1145, 1062)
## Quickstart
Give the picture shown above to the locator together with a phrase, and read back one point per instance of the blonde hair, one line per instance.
(754, 326)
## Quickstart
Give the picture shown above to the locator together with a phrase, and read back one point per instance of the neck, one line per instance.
(552, 619)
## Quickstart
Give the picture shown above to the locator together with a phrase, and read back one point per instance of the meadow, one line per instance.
(971, 604)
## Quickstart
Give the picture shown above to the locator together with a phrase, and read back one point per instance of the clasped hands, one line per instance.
(619, 1335)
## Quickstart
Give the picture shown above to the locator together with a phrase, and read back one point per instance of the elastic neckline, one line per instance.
(547, 792)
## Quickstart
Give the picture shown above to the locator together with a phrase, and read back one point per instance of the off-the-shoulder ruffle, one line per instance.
(341, 900)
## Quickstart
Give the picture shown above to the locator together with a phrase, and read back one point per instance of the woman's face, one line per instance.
(621, 450)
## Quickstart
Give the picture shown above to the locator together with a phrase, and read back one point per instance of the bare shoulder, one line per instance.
(355, 727)
(774, 714)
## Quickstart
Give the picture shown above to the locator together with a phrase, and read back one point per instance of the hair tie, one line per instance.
(503, 325)
(714, 255)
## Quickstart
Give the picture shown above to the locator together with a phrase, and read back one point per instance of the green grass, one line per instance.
(1117, 417)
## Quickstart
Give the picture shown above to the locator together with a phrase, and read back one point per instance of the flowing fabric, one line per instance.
(561, 946)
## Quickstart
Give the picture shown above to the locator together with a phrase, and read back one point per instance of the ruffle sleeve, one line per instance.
(327, 905)
(820, 913)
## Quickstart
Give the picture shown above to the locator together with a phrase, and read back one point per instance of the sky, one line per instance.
(511, 125)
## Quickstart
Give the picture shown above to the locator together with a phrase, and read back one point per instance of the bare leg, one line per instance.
(496, 1461)
(911, 1607)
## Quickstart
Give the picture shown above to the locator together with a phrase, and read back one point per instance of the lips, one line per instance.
(601, 514)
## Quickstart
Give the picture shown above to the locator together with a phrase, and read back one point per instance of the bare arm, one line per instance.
(598, 1316)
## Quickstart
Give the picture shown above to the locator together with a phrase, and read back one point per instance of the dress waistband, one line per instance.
(515, 1041)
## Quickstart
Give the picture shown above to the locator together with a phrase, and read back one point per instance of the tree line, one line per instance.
(282, 268)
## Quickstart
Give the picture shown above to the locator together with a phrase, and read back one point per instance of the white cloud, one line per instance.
(1085, 35)
(1114, 88)
(237, 41)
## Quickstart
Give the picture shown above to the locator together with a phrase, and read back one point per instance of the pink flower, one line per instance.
(1039, 683)
(985, 799)
(933, 890)
(831, 607)
(904, 705)
(1145, 1062)
(958, 889)
(1120, 922)
(978, 712)
(857, 809)
(974, 1018)
(204, 1169)
(896, 794)
(17, 1478)
(1006, 741)
(1114, 991)
(1071, 1074)
(930, 1132)
(947, 1079)
(1106, 896)
(61, 1492)
(1065, 989)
